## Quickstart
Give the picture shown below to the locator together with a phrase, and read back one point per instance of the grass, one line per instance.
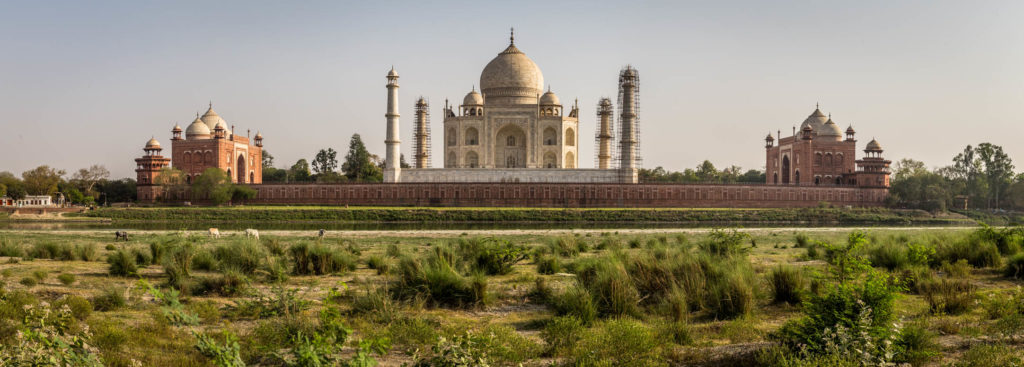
(675, 298)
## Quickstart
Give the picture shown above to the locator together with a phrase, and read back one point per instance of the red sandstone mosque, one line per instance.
(511, 146)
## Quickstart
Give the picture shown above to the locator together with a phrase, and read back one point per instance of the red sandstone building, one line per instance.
(819, 155)
(208, 143)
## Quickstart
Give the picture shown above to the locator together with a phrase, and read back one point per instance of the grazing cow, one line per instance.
(321, 234)
(252, 233)
(119, 235)
(214, 233)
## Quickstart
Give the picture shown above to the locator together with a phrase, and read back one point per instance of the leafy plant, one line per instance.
(227, 354)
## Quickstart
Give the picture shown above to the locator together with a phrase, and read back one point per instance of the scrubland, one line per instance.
(720, 297)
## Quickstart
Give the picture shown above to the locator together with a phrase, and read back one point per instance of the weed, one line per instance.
(959, 269)
(618, 342)
(548, 265)
(787, 284)
(40, 274)
(1014, 267)
(122, 264)
(226, 355)
(28, 282)
(561, 334)
(66, 278)
(950, 296)
(576, 302)
(109, 299)
(80, 307)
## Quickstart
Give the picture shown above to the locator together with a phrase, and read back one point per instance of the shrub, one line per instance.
(787, 284)
(242, 255)
(204, 260)
(80, 307)
(319, 259)
(86, 252)
(279, 302)
(379, 264)
(10, 249)
(143, 257)
(29, 282)
(438, 282)
(504, 346)
(229, 283)
(561, 334)
(577, 303)
(374, 302)
(109, 299)
(889, 256)
(990, 355)
(731, 296)
(978, 253)
(618, 342)
(207, 311)
(122, 264)
(568, 246)
(226, 355)
(66, 278)
(491, 256)
(1014, 267)
(915, 276)
(915, 345)
(676, 331)
(612, 288)
(40, 274)
(802, 240)
(461, 350)
(725, 243)
(548, 265)
(177, 262)
(950, 296)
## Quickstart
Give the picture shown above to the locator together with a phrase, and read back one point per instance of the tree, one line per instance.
(359, 165)
(268, 160)
(13, 187)
(914, 186)
(86, 178)
(706, 172)
(299, 171)
(42, 180)
(752, 176)
(271, 174)
(212, 184)
(401, 161)
(172, 183)
(325, 161)
(998, 170)
(3, 190)
(116, 191)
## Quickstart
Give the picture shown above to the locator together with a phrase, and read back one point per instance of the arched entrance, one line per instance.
(510, 147)
(240, 170)
(785, 170)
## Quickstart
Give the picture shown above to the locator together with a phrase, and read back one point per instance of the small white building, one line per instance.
(30, 201)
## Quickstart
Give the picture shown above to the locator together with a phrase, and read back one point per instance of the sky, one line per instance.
(89, 82)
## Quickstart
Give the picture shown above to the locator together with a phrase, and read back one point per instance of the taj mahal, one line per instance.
(512, 130)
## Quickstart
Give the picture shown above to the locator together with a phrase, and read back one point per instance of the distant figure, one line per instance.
(121, 235)
(250, 233)
(214, 233)
(321, 234)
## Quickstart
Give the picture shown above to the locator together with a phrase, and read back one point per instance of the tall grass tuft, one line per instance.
(319, 259)
(787, 284)
(949, 296)
(122, 263)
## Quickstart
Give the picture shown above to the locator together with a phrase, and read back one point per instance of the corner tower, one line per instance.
(392, 170)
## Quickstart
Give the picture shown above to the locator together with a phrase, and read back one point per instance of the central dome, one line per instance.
(511, 77)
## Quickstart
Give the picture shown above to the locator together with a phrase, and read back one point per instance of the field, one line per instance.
(768, 297)
(398, 214)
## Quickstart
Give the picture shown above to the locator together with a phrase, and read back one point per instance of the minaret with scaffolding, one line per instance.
(629, 136)
(605, 134)
(421, 136)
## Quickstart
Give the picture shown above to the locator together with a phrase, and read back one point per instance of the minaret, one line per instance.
(627, 137)
(392, 169)
(604, 135)
(421, 135)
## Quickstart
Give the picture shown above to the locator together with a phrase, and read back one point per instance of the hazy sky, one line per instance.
(84, 82)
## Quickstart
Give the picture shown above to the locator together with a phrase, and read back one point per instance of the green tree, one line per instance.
(271, 174)
(116, 191)
(299, 172)
(359, 165)
(42, 180)
(172, 183)
(212, 184)
(326, 160)
(753, 176)
(706, 172)
(268, 160)
(997, 173)
(86, 178)
(914, 186)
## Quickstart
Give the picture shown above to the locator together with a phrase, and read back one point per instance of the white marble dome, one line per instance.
(816, 121)
(473, 98)
(830, 130)
(212, 119)
(511, 74)
(152, 144)
(549, 98)
(198, 127)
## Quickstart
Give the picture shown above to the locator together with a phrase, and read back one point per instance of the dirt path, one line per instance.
(484, 232)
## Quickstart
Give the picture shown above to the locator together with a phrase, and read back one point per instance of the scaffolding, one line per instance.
(421, 134)
(604, 136)
(629, 78)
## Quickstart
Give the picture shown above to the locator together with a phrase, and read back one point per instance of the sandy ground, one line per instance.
(486, 232)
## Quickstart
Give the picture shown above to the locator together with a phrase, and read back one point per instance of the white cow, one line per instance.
(252, 233)
(215, 233)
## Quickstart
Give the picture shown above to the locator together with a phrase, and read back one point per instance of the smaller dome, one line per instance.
(873, 146)
(197, 128)
(549, 98)
(212, 119)
(152, 144)
(473, 98)
(258, 135)
(769, 137)
(176, 129)
(221, 125)
(830, 129)
(849, 130)
(392, 73)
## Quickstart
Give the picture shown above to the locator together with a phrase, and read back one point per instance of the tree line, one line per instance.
(87, 186)
(703, 173)
(359, 166)
(980, 177)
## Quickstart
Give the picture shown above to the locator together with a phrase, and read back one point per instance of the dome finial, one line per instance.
(512, 36)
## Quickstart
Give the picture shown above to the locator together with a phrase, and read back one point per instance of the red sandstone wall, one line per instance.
(567, 195)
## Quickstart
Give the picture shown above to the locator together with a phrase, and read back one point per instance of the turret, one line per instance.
(628, 84)
(392, 170)
(769, 141)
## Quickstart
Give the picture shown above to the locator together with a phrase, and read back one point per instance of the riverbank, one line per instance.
(867, 216)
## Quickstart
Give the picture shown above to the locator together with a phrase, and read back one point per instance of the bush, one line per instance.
(66, 278)
(10, 249)
(561, 334)
(916, 345)
(568, 246)
(80, 307)
(676, 331)
(990, 355)
(731, 296)
(978, 253)
(229, 283)
(109, 299)
(226, 355)
(438, 282)
(122, 264)
(40, 274)
(242, 255)
(379, 264)
(143, 257)
(612, 288)
(577, 303)
(949, 296)
(177, 262)
(787, 284)
(618, 342)
(548, 265)
(319, 259)
(461, 350)
(802, 240)
(915, 276)
(491, 256)
(889, 256)
(959, 269)
(504, 346)
(374, 302)
(29, 282)
(1014, 267)
(725, 243)
(204, 260)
